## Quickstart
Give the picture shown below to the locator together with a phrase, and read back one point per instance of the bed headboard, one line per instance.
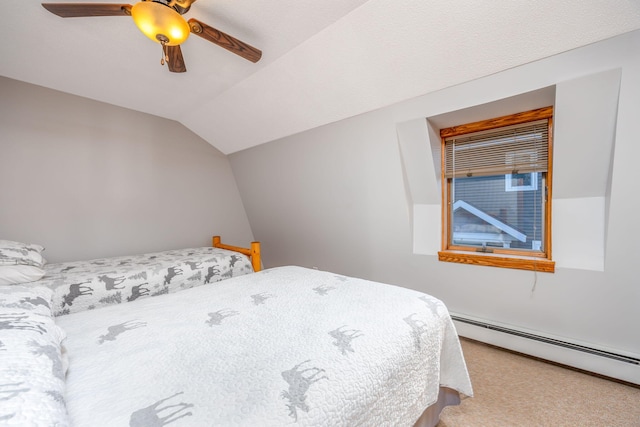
(253, 252)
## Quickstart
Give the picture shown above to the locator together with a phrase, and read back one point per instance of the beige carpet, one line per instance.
(512, 391)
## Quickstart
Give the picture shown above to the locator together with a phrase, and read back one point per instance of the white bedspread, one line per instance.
(286, 346)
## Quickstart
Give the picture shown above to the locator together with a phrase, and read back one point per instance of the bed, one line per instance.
(95, 283)
(282, 346)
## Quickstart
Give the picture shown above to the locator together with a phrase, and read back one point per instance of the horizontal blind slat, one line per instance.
(514, 149)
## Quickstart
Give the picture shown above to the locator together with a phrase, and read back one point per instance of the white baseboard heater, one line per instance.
(607, 362)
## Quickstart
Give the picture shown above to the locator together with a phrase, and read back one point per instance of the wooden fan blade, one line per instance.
(176, 61)
(76, 10)
(224, 40)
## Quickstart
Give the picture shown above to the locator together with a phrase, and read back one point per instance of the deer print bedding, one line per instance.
(91, 284)
(285, 346)
(32, 366)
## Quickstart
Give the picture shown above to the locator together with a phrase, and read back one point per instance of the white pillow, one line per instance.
(36, 299)
(17, 253)
(16, 274)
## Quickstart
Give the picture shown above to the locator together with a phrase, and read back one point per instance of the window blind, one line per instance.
(521, 148)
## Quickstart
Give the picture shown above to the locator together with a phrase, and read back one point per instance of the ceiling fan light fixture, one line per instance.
(160, 23)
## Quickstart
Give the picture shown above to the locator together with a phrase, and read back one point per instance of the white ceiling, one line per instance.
(322, 61)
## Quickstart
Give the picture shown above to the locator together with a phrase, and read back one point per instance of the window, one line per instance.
(521, 181)
(496, 192)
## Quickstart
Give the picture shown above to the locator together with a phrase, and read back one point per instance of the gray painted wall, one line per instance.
(87, 179)
(343, 198)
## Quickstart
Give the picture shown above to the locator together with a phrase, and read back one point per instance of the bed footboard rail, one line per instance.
(252, 252)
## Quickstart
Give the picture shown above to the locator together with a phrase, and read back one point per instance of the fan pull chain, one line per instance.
(165, 56)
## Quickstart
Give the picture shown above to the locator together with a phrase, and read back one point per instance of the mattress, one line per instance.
(285, 346)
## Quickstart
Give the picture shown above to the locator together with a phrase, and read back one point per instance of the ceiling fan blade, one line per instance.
(224, 40)
(176, 61)
(75, 10)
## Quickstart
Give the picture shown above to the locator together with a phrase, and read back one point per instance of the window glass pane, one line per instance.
(503, 211)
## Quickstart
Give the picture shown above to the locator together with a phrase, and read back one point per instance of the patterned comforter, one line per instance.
(285, 346)
(84, 285)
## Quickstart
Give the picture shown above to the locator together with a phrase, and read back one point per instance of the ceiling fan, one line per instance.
(162, 22)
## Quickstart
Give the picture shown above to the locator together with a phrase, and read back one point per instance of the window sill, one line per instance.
(532, 264)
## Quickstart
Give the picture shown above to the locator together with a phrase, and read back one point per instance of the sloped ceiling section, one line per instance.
(108, 59)
(322, 61)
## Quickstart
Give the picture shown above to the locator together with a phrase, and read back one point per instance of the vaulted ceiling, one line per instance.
(322, 60)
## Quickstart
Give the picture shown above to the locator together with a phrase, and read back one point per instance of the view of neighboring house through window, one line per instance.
(496, 191)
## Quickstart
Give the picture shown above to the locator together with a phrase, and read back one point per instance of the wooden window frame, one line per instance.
(499, 257)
